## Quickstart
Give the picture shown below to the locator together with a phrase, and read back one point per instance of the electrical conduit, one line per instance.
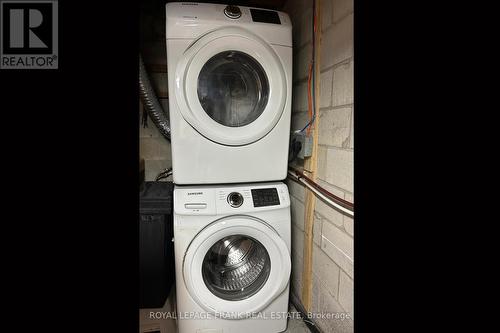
(151, 103)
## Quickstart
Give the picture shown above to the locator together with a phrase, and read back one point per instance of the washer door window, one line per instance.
(231, 87)
(236, 265)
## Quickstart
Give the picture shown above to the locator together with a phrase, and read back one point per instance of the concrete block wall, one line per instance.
(153, 147)
(333, 252)
(333, 273)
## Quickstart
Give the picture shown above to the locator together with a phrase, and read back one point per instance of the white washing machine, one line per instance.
(229, 82)
(232, 258)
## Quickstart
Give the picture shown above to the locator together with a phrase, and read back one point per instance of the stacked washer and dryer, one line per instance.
(229, 81)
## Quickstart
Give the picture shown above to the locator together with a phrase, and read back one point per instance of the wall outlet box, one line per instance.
(306, 143)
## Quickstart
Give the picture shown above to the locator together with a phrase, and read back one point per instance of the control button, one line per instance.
(232, 12)
(235, 199)
(195, 206)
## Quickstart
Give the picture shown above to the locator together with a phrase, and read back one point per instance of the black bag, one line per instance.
(156, 253)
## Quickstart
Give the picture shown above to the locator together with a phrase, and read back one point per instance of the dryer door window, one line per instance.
(233, 88)
(236, 267)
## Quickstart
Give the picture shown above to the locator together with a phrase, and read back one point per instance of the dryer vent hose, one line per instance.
(151, 102)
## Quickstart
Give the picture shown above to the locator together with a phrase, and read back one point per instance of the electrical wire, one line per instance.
(164, 174)
(311, 100)
(311, 110)
(334, 201)
(163, 177)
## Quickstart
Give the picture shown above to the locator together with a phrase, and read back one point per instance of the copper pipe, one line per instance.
(341, 202)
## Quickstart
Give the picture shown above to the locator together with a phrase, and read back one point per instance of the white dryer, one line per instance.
(232, 258)
(229, 82)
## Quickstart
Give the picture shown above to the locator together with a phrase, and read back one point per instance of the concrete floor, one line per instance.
(169, 325)
(295, 325)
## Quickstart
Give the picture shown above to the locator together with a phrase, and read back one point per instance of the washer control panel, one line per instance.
(265, 197)
(265, 16)
(230, 199)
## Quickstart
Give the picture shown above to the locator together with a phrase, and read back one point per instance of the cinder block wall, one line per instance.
(333, 273)
(154, 148)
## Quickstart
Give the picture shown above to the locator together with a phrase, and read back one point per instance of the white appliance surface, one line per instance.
(232, 257)
(229, 82)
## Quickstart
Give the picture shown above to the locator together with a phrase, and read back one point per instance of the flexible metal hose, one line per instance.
(151, 103)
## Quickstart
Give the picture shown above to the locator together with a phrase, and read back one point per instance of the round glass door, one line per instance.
(236, 267)
(230, 86)
(233, 88)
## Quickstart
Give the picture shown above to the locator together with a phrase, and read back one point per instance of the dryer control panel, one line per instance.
(191, 20)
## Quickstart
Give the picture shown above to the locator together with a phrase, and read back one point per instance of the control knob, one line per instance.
(235, 199)
(232, 12)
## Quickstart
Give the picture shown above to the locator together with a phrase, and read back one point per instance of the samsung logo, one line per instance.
(195, 193)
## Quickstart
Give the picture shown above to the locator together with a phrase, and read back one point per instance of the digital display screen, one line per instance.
(265, 197)
(265, 16)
